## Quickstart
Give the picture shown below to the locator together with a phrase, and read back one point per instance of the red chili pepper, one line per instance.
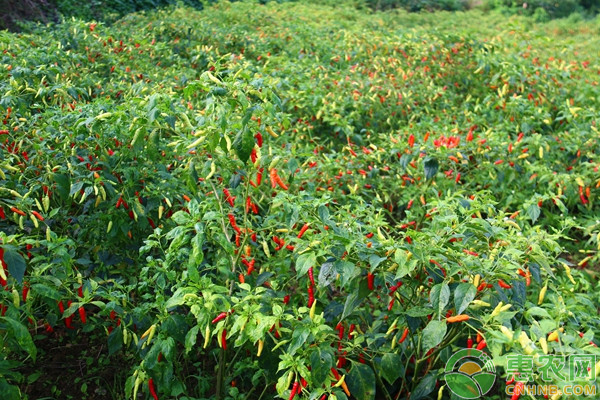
(391, 304)
(335, 373)
(230, 199)
(311, 276)
(395, 287)
(481, 345)
(2, 215)
(224, 339)
(151, 388)
(233, 223)
(82, 314)
(370, 281)
(37, 215)
(517, 391)
(304, 229)
(220, 317)
(303, 382)
(25, 291)
(350, 330)
(411, 140)
(80, 291)
(404, 335)
(113, 315)
(311, 296)
(469, 343)
(16, 210)
(340, 328)
(286, 299)
(69, 319)
(280, 183)
(259, 176)
(503, 284)
(273, 178)
(259, 139)
(294, 390)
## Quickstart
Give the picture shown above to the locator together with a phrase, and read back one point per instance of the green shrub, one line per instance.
(543, 9)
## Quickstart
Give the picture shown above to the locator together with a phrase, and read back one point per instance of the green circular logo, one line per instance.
(470, 373)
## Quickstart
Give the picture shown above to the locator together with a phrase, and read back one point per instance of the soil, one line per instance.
(73, 364)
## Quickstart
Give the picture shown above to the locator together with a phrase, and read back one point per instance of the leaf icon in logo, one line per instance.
(463, 386)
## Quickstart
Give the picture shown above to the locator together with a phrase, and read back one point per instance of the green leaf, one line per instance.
(534, 212)
(243, 144)
(327, 274)
(115, 340)
(417, 312)
(463, 296)
(352, 301)
(405, 266)
(424, 388)
(391, 367)
(347, 271)
(433, 334)
(304, 262)
(361, 382)
(63, 185)
(299, 336)
(21, 335)
(75, 188)
(190, 338)
(46, 291)
(440, 296)
(431, 166)
(15, 263)
(321, 363)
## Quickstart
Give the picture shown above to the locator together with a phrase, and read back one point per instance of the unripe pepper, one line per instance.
(542, 294)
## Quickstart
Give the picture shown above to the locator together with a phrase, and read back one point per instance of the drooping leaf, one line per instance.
(431, 166)
(361, 381)
(15, 263)
(463, 296)
(433, 334)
